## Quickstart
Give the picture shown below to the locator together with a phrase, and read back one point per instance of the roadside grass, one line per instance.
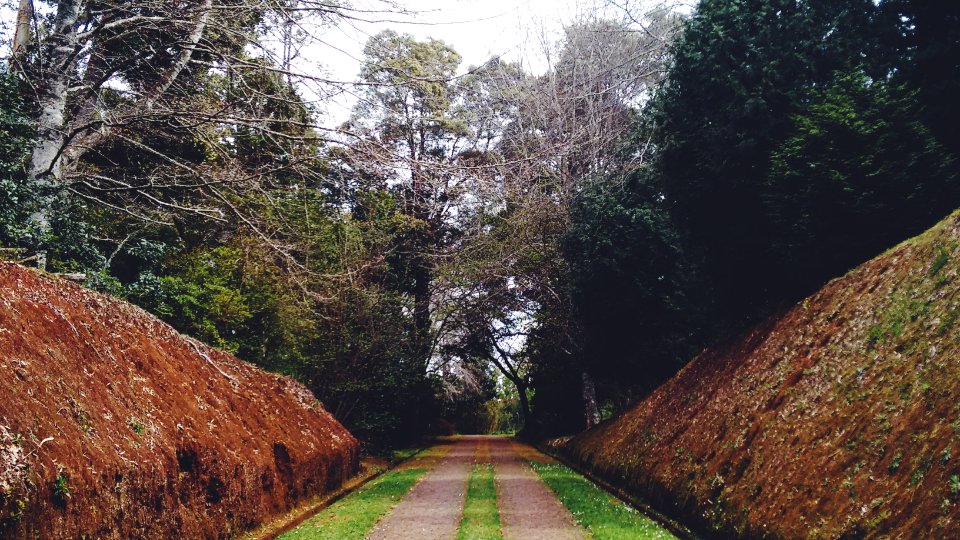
(605, 516)
(404, 453)
(352, 517)
(481, 519)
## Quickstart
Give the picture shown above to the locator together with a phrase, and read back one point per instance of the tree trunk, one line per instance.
(524, 403)
(44, 170)
(50, 155)
(21, 36)
(422, 262)
(421, 307)
(93, 138)
(590, 410)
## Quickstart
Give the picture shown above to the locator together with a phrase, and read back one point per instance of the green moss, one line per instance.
(947, 321)
(895, 463)
(403, 454)
(920, 472)
(941, 260)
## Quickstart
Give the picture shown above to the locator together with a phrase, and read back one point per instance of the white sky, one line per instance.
(477, 29)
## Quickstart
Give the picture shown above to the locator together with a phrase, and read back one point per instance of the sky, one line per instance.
(476, 29)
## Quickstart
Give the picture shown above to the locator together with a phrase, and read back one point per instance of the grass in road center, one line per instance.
(481, 519)
(605, 516)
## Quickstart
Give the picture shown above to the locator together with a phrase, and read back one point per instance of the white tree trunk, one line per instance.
(52, 154)
(21, 36)
(147, 103)
(44, 169)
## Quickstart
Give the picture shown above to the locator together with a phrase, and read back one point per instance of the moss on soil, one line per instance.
(839, 418)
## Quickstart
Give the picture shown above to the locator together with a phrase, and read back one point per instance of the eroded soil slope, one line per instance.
(113, 425)
(840, 418)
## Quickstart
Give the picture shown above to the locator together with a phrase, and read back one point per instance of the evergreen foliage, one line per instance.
(794, 140)
(632, 285)
(740, 71)
(15, 129)
(858, 172)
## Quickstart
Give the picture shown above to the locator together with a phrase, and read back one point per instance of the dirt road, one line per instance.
(529, 510)
(433, 507)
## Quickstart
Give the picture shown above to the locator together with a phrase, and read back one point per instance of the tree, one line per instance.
(143, 75)
(192, 178)
(859, 172)
(633, 288)
(407, 113)
(15, 129)
(503, 278)
(739, 71)
(923, 44)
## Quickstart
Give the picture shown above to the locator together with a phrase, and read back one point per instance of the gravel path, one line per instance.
(529, 510)
(432, 509)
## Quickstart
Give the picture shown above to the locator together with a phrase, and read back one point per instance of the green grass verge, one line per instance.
(605, 516)
(481, 520)
(352, 517)
(403, 454)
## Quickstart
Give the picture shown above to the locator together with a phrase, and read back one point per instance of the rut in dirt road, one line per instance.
(529, 510)
(432, 510)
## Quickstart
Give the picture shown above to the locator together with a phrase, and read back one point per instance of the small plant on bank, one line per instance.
(895, 464)
(137, 426)
(943, 257)
(61, 489)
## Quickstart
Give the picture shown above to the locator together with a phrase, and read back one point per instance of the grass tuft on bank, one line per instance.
(605, 516)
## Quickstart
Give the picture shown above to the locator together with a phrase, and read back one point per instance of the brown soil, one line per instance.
(840, 418)
(528, 509)
(433, 508)
(113, 425)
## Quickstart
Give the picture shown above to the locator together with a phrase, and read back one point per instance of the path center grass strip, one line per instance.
(605, 516)
(481, 519)
(352, 517)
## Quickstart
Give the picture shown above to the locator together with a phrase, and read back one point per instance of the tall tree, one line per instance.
(407, 113)
(858, 173)
(633, 288)
(110, 75)
(739, 71)
(923, 46)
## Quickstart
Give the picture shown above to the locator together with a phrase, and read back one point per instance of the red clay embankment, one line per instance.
(113, 425)
(840, 419)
